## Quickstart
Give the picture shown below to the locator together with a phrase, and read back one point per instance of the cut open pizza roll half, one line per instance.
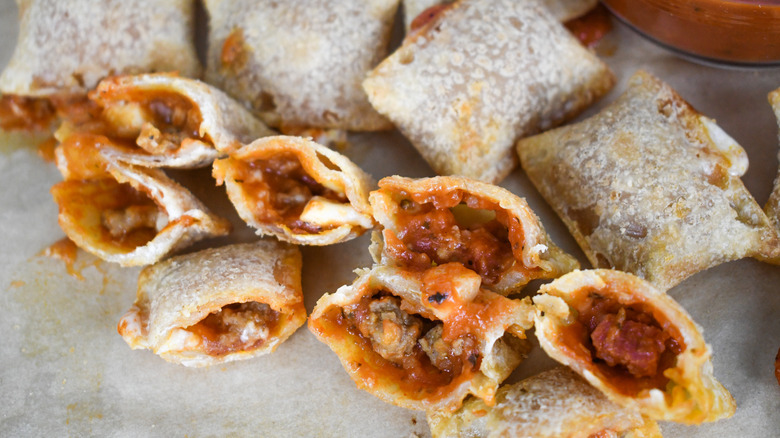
(554, 404)
(480, 75)
(650, 186)
(488, 229)
(297, 190)
(634, 343)
(218, 305)
(164, 120)
(300, 63)
(423, 340)
(66, 46)
(124, 213)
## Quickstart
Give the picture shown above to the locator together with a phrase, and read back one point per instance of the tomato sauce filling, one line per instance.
(280, 188)
(19, 113)
(591, 27)
(631, 345)
(236, 327)
(455, 227)
(158, 122)
(409, 349)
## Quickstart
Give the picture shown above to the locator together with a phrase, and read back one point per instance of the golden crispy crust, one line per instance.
(327, 167)
(463, 106)
(554, 404)
(650, 186)
(225, 124)
(83, 198)
(772, 207)
(67, 46)
(692, 396)
(181, 291)
(499, 352)
(300, 64)
(535, 256)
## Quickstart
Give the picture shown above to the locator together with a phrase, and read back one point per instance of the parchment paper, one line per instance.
(64, 370)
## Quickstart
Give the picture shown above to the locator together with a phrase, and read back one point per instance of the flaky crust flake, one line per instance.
(693, 395)
(67, 46)
(181, 291)
(649, 186)
(463, 105)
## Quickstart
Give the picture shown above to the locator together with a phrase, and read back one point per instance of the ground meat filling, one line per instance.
(236, 327)
(120, 222)
(625, 341)
(282, 188)
(439, 237)
(410, 342)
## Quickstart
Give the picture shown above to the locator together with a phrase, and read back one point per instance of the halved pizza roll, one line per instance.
(218, 305)
(124, 213)
(632, 342)
(650, 186)
(488, 229)
(772, 207)
(554, 404)
(300, 63)
(66, 46)
(163, 120)
(480, 75)
(562, 10)
(297, 190)
(423, 340)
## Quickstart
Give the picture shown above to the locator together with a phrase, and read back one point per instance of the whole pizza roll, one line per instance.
(124, 213)
(554, 404)
(650, 186)
(218, 305)
(299, 63)
(772, 207)
(66, 46)
(634, 343)
(488, 229)
(297, 190)
(478, 76)
(423, 340)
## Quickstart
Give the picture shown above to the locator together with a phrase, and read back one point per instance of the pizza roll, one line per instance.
(66, 46)
(300, 63)
(772, 207)
(650, 186)
(554, 404)
(633, 342)
(488, 229)
(423, 340)
(163, 120)
(124, 213)
(218, 305)
(297, 190)
(562, 10)
(463, 106)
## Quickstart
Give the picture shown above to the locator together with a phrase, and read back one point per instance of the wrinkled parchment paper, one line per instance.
(64, 370)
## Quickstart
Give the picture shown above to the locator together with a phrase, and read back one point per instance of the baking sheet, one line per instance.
(64, 370)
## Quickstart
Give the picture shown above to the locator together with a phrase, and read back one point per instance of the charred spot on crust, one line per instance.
(437, 298)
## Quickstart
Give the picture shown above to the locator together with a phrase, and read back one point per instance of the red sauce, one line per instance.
(26, 113)
(732, 31)
(221, 335)
(591, 27)
(428, 233)
(591, 308)
(280, 187)
(46, 149)
(777, 367)
(65, 250)
(427, 16)
(233, 55)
